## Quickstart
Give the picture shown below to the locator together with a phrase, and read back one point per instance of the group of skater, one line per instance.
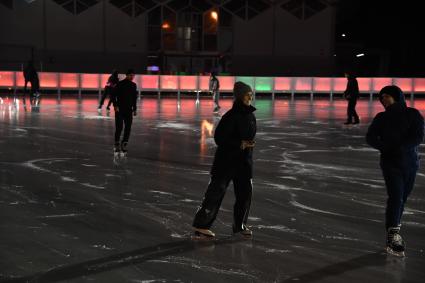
(396, 132)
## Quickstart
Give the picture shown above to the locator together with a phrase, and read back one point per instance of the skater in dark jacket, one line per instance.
(31, 76)
(109, 88)
(396, 133)
(234, 137)
(214, 87)
(351, 94)
(124, 99)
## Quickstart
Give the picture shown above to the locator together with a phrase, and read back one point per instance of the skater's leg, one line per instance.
(409, 182)
(243, 194)
(354, 112)
(102, 98)
(395, 190)
(118, 126)
(128, 121)
(350, 111)
(211, 203)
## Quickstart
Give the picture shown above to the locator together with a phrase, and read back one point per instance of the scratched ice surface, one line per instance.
(70, 213)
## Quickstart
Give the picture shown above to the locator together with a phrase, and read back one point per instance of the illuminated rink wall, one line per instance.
(178, 84)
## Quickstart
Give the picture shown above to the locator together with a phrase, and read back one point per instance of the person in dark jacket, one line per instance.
(351, 94)
(234, 137)
(214, 87)
(31, 76)
(124, 99)
(397, 134)
(110, 85)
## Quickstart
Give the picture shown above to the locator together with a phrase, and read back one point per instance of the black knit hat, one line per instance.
(393, 91)
(240, 89)
(130, 72)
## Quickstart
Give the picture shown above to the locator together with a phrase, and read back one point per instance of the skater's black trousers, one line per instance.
(123, 119)
(399, 183)
(211, 203)
(351, 111)
(106, 93)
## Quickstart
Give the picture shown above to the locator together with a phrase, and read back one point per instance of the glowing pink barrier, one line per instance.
(379, 83)
(419, 85)
(405, 84)
(226, 83)
(7, 79)
(49, 80)
(20, 80)
(188, 82)
(204, 83)
(104, 79)
(339, 85)
(364, 84)
(322, 84)
(283, 84)
(302, 84)
(89, 81)
(149, 82)
(169, 82)
(68, 80)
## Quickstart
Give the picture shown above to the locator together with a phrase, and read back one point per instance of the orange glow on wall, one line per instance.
(150, 82)
(169, 82)
(226, 83)
(6, 79)
(188, 82)
(204, 83)
(282, 84)
(165, 25)
(419, 85)
(214, 15)
(68, 80)
(404, 83)
(302, 84)
(49, 80)
(90, 81)
(322, 84)
(379, 83)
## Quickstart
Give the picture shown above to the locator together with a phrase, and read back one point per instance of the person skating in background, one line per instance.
(109, 88)
(214, 88)
(233, 161)
(351, 94)
(124, 99)
(396, 133)
(31, 76)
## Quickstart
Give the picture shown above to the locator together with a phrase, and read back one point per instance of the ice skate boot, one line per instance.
(124, 149)
(202, 234)
(117, 150)
(395, 244)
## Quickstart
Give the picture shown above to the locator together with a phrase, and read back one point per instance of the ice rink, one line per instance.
(70, 213)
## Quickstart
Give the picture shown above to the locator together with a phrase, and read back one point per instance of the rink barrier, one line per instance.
(167, 83)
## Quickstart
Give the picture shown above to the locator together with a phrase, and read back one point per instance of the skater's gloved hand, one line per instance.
(247, 144)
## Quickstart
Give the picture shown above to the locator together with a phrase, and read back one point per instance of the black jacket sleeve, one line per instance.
(415, 134)
(373, 136)
(225, 133)
(134, 97)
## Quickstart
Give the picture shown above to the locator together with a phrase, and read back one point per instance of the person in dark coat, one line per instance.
(124, 99)
(110, 85)
(397, 134)
(214, 87)
(31, 76)
(351, 94)
(234, 137)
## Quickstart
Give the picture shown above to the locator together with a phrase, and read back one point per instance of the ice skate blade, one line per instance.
(394, 253)
(197, 236)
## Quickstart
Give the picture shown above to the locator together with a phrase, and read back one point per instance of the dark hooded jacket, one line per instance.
(124, 96)
(237, 124)
(397, 132)
(352, 90)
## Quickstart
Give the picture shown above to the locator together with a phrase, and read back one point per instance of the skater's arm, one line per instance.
(416, 131)
(373, 137)
(224, 134)
(134, 101)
